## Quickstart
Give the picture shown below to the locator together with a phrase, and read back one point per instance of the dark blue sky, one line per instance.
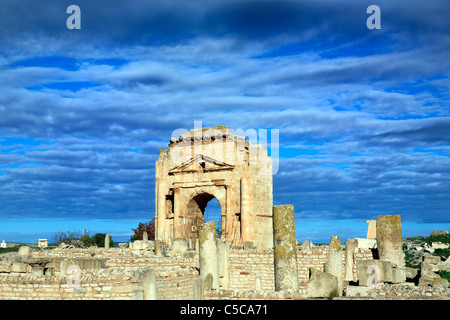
(363, 115)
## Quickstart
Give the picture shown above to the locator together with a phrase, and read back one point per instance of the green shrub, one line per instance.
(442, 253)
(67, 237)
(79, 239)
(6, 250)
(87, 240)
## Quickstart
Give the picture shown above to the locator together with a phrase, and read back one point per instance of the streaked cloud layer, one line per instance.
(363, 114)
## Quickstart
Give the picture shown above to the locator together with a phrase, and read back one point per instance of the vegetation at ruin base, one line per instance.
(413, 257)
(80, 239)
(6, 250)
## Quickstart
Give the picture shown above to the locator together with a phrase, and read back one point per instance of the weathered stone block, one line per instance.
(366, 243)
(334, 264)
(371, 229)
(24, 250)
(431, 259)
(439, 283)
(411, 273)
(398, 275)
(350, 247)
(179, 245)
(321, 284)
(199, 166)
(5, 268)
(19, 267)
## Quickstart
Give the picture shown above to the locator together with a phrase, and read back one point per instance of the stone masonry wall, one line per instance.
(252, 266)
(251, 275)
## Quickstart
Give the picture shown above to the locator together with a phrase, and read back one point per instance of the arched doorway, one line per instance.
(201, 208)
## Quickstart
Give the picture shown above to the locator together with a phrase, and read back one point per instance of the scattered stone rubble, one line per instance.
(146, 270)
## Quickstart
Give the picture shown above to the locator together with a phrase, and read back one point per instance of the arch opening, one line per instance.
(201, 208)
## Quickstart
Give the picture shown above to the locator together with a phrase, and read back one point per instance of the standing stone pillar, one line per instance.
(208, 252)
(223, 251)
(350, 247)
(145, 236)
(334, 264)
(149, 284)
(389, 244)
(147, 288)
(107, 240)
(285, 248)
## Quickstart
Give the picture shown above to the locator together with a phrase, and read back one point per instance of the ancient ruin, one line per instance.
(214, 163)
(255, 256)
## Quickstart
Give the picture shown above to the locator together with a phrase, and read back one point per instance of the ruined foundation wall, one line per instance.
(254, 266)
(251, 277)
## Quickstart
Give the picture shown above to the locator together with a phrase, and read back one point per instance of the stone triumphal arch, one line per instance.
(207, 163)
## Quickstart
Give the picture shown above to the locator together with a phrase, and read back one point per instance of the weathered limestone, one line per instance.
(208, 252)
(145, 236)
(223, 251)
(363, 243)
(19, 267)
(372, 229)
(202, 284)
(429, 269)
(389, 244)
(285, 248)
(334, 264)
(148, 278)
(321, 284)
(107, 240)
(139, 245)
(248, 245)
(207, 163)
(157, 247)
(439, 245)
(350, 247)
(389, 240)
(179, 245)
(149, 284)
(306, 245)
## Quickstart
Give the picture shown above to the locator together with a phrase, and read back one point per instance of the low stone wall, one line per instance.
(108, 274)
(251, 269)
(398, 291)
(94, 286)
(176, 284)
